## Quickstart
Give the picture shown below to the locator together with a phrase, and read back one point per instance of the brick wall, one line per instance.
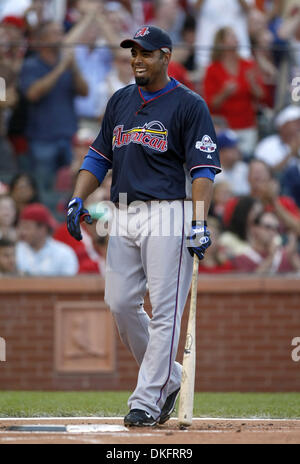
(245, 327)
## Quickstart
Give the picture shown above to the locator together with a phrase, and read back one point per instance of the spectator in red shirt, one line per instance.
(179, 72)
(232, 86)
(267, 255)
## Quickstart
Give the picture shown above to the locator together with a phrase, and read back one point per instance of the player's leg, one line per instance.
(125, 287)
(168, 268)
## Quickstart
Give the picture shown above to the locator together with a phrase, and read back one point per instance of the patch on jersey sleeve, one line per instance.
(206, 144)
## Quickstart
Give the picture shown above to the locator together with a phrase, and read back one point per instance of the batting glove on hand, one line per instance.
(76, 214)
(199, 240)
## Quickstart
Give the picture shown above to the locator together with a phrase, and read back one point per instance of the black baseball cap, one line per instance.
(149, 38)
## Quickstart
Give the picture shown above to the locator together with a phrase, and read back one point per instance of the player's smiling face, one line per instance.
(150, 68)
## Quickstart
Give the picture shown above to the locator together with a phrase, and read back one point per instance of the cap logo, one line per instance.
(142, 32)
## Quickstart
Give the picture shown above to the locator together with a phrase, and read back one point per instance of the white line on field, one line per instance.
(75, 418)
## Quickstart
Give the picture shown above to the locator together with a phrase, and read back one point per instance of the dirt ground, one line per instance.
(203, 431)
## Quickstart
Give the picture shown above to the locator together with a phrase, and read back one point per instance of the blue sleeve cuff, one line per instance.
(209, 173)
(95, 164)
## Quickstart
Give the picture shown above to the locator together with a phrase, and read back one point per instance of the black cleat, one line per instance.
(168, 407)
(139, 418)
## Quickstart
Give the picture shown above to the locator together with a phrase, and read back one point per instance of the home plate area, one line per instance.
(110, 430)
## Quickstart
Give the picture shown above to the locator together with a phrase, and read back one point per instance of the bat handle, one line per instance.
(186, 401)
(194, 280)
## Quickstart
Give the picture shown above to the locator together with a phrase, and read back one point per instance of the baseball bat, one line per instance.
(186, 401)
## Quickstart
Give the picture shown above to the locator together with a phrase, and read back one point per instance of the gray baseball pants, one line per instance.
(143, 252)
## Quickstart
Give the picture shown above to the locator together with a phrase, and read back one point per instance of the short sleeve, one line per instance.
(103, 142)
(200, 141)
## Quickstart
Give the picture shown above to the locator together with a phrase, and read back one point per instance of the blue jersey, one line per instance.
(147, 141)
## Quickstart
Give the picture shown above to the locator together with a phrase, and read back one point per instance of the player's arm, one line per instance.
(199, 239)
(202, 160)
(202, 191)
(86, 184)
(91, 175)
(93, 170)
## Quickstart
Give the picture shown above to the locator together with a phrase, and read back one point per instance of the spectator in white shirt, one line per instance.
(215, 14)
(235, 171)
(120, 76)
(279, 150)
(37, 253)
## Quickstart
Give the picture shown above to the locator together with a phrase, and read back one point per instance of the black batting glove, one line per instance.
(199, 239)
(76, 214)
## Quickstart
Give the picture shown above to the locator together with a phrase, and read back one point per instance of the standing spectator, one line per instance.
(23, 189)
(188, 37)
(93, 57)
(234, 170)
(290, 31)
(265, 188)
(170, 16)
(232, 87)
(282, 24)
(7, 257)
(50, 82)
(8, 99)
(120, 75)
(8, 215)
(278, 150)
(216, 14)
(37, 252)
(119, 18)
(266, 254)
(262, 41)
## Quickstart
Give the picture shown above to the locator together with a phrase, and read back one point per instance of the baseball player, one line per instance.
(151, 130)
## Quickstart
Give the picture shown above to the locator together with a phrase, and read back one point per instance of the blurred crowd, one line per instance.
(60, 62)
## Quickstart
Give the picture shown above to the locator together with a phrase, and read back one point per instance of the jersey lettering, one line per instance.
(153, 135)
